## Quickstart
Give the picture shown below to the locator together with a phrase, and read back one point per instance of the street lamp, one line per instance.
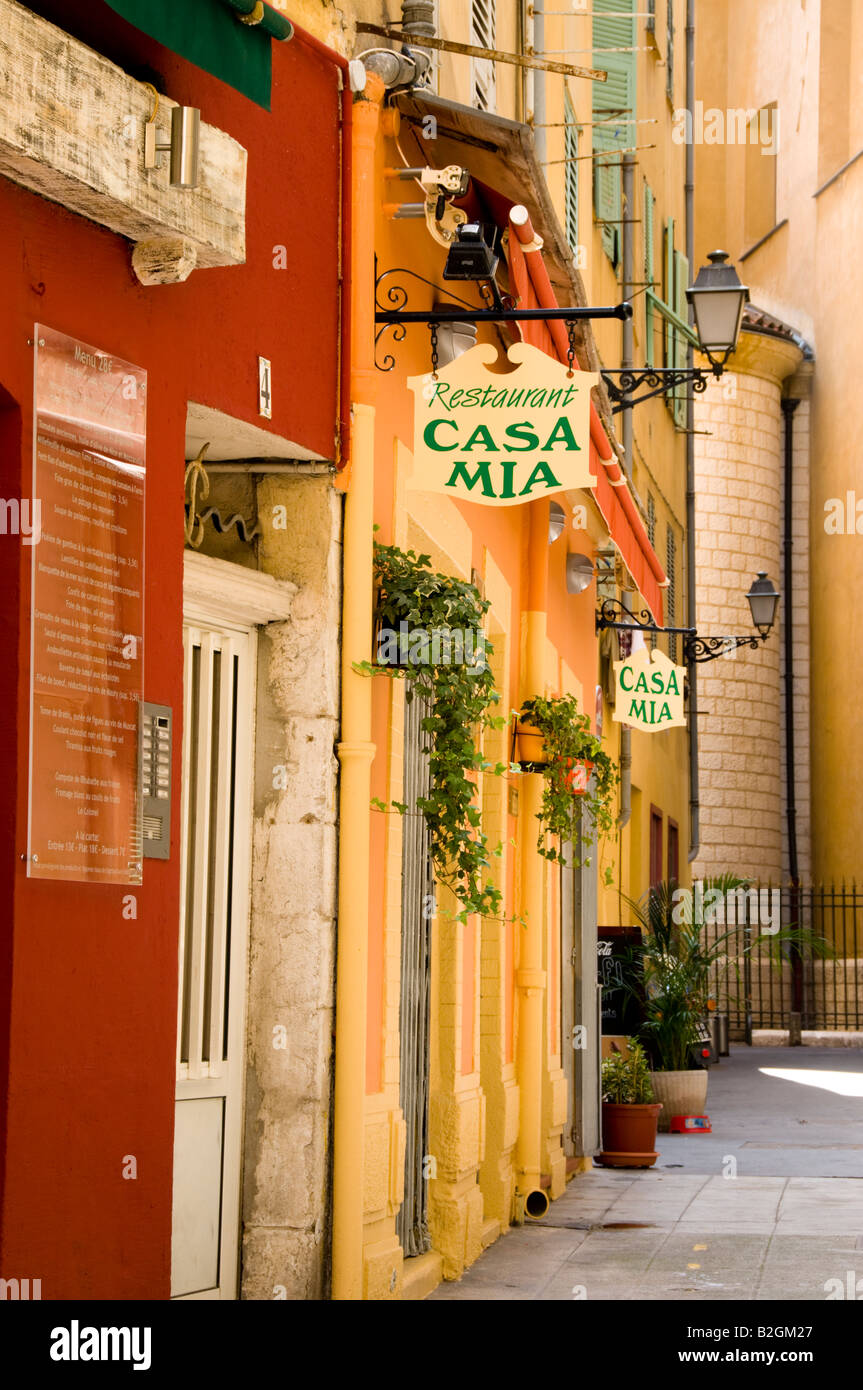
(763, 600)
(717, 300)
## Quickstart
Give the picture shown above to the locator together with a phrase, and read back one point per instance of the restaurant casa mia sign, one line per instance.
(649, 691)
(502, 439)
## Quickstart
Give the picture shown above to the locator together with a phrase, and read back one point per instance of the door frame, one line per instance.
(228, 596)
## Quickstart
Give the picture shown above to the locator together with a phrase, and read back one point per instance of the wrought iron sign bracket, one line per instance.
(392, 314)
(612, 614)
(661, 379)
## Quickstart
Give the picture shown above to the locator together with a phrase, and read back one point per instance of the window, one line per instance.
(835, 87)
(759, 215)
(655, 846)
(669, 50)
(671, 591)
(482, 69)
(673, 851)
(651, 519)
(571, 147)
(613, 105)
(650, 26)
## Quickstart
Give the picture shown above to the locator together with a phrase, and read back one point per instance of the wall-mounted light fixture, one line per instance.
(556, 521)
(763, 601)
(718, 299)
(183, 146)
(472, 255)
(579, 573)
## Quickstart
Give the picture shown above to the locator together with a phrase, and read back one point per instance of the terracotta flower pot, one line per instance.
(529, 744)
(681, 1093)
(629, 1135)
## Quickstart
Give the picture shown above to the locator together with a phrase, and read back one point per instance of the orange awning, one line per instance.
(532, 288)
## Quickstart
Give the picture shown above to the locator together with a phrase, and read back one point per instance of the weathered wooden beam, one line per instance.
(72, 130)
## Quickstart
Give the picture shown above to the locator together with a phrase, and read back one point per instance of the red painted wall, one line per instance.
(88, 1000)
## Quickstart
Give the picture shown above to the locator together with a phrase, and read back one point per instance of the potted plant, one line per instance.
(630, 1112)
(673, 972)
(553, 736)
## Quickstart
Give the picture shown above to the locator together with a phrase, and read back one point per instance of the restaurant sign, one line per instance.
(502, 439)
(649, 692)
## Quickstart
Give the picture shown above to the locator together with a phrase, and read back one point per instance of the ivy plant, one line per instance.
(568, 740)
(423, 611)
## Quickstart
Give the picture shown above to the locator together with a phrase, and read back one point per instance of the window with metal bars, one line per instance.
(669, 50)
(482, 69)
(571, 145)
(671, 591)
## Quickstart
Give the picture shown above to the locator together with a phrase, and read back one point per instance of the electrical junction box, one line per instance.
(154, 760)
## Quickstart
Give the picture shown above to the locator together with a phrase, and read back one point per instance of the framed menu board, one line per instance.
(87, 613)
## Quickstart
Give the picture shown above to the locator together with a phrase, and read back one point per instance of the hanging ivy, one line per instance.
(429, 633)
(568, 741)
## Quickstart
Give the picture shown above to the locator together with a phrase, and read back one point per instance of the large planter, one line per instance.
(681, 1093)
(629, 1135)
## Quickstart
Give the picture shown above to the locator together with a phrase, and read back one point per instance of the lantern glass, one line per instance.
(718, 299)
(763, 600)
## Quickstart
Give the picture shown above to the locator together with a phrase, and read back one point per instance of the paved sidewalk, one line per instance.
(691, 1233)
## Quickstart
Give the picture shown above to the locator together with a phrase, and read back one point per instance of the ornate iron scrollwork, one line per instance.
(621, 383)
(394, 300)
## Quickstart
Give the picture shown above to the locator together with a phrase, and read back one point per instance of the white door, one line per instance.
(218, 738)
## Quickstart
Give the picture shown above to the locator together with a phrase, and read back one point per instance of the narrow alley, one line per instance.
(767, 1206)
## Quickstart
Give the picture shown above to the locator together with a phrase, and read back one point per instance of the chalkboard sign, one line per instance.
(622, 1014)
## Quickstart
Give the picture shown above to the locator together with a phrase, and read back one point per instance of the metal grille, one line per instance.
(209, 752)
(415, 992)
(763, 988)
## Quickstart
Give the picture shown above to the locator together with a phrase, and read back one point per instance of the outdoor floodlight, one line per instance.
(472, 255)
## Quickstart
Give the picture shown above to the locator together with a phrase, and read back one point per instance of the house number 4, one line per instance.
(265, 385)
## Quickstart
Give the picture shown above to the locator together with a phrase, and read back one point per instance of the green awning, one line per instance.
(212, 35)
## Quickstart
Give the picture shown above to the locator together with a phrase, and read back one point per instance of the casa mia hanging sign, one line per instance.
(502, 439)
(649, 692)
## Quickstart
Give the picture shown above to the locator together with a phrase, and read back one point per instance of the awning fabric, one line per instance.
(532, 288)
(211, 34)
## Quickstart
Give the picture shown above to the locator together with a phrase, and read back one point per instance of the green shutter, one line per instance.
(615, 97)
(649, 206)
(679, 305)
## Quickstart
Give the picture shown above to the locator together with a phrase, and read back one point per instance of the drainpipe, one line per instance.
(539, 88)
(627, 360)
(691, 621)
(530, 977)
(788, 408)
(355, 750)
(329, 55)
